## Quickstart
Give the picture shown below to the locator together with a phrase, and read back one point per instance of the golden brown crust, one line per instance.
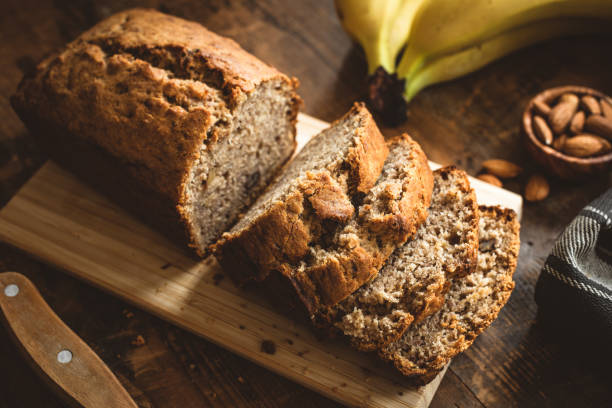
(420, 375)
(146, 89)
(367, 157)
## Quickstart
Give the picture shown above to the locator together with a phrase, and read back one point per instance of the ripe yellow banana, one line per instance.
(445, 27)
(470, 59)
(380, 27)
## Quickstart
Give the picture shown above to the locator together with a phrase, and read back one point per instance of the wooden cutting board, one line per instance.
(65, 223)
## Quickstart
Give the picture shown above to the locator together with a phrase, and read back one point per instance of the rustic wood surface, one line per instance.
(517, 362)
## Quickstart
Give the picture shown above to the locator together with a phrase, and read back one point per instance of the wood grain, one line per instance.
(63, 222)
(82, 378)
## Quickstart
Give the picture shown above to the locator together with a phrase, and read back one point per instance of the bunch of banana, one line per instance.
(440, 40)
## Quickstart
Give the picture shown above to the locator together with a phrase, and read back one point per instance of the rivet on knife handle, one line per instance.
(56, 351)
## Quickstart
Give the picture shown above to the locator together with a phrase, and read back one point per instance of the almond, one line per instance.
(586, 145)
(537, 188)
(491, 179)
(559, 142)
(606, 108)
(542, 130)
(563, 112)
(577, 123)
(502, 168)
(599, 125)
(541, 107)
(590, 104)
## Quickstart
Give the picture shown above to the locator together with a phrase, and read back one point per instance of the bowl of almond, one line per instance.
(568, 130)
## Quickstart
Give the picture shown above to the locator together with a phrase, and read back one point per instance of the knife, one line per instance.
(55, 351)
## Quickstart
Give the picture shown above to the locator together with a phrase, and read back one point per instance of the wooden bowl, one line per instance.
(553, 161)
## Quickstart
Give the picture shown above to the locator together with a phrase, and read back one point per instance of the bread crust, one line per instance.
(423, 375)
(146, 91)
(280, 240)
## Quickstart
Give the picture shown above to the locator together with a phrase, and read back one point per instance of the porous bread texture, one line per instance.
(413, 282)
(174, 122)
(324, 227)
(249, 152)
(472, 303)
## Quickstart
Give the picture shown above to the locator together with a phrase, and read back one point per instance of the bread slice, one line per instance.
(327, 225)
(413, 282)
(471, 305)
(179, 125)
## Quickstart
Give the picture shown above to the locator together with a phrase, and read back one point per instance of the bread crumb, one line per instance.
(139, 341)
(268, 346)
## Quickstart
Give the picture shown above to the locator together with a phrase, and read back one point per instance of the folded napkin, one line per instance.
(574, 290)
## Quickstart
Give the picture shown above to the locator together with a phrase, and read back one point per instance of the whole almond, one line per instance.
(599, 125)
(537, 188)
(559, 142)
(491, 179)
(606, 108)
(542, 130)
(502, 168)
(541, 107)
(586, 145)
(591, 105)
(577, 123)
(563, 112)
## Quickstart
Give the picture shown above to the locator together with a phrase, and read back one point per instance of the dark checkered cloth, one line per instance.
(574, 290)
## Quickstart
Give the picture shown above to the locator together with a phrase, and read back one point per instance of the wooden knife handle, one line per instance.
(56, 351)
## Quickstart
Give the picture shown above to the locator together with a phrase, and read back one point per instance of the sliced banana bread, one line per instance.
(413, 282)
(471, 304)
(176, 123)
(327, 225)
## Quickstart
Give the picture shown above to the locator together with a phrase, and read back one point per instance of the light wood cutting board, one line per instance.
(65, 223)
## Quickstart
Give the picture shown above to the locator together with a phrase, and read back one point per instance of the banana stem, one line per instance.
(386, 96)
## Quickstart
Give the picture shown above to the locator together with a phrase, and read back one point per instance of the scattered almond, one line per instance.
(561, 115)
(586, 145)
(559, 142)
(491, 179)
(541, 107)
(606, 108)
(542, 130)
(599, 125)
(537, 188)
(590, 104)
(577, 123)
(502, 168)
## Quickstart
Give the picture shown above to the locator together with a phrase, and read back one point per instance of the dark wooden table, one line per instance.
(516, 362)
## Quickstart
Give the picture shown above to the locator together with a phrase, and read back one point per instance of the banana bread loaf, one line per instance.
(176, 123)
(413, 282)
(471, 305)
